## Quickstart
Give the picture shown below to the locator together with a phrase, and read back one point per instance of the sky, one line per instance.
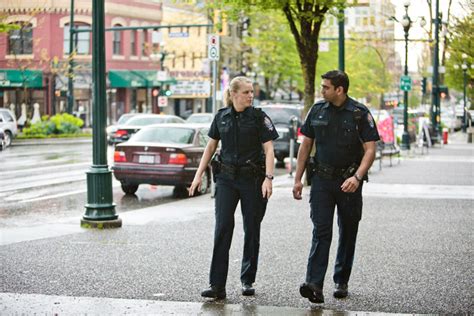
(419, 8)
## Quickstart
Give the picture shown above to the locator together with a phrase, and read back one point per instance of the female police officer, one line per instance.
(246, 174)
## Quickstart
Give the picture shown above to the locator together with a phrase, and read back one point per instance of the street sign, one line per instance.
(213, 47)
(162, 101)
(405, 83)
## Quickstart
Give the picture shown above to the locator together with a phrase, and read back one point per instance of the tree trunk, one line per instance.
(310, 17)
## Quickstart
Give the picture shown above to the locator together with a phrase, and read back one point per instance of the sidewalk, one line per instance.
(413, 255)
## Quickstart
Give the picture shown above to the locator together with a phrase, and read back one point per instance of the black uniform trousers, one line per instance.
(228, 193)
(325, 195)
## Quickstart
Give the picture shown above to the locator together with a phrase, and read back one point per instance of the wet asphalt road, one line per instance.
(39, 184)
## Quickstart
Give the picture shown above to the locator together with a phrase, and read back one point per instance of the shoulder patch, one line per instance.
(370, 119)
(268, 123)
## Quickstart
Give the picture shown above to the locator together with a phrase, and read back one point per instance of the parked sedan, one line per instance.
(200, 118)
(163, 154)
(9, 125)
(122, 120)
(2, 139)
(133, 125)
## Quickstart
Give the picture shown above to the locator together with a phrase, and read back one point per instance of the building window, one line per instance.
(144, 43)
(133, 43)
(20, 41)
(82, 40)
(117, 42)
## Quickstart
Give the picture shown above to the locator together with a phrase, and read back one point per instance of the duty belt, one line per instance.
(327, 171)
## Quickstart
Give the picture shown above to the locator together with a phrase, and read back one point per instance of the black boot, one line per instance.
(341, 290)
(247, 289)
(214, 292)
(312, 292)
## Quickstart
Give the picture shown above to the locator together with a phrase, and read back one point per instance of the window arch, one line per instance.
(20, 40)
(82, 40)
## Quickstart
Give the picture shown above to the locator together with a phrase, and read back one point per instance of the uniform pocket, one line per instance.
(320, 129)
(348, 134)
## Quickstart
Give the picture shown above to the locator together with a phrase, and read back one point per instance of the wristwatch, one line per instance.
(269, 176)
(359, 178)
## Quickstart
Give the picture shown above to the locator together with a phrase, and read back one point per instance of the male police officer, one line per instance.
(344, 134)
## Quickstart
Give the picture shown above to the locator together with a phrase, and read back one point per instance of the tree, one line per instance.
(461, 43)
(273, 52)
(304, 18)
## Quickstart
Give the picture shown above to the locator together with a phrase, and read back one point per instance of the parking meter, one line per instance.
(293, 133)
(293, 127)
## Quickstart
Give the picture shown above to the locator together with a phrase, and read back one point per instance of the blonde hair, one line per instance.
(234, 85)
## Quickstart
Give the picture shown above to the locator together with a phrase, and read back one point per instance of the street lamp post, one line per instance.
(464, 114)
(406, 22)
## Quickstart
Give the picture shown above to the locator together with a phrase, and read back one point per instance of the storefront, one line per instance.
(21, 86)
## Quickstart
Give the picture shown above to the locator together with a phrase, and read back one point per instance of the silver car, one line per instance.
(8, 125)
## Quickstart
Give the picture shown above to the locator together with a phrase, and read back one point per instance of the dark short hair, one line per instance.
(338, 79)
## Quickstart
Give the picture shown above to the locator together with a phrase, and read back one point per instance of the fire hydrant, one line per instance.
(445, 136)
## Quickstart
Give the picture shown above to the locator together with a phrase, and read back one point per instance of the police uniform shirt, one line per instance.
(242, 134)
(339, 131)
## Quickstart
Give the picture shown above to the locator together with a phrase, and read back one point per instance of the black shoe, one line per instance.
(312, 292)
(214, 292)
(340, 290)
(247, 289)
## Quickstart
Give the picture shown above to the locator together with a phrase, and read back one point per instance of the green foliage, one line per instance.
(59, 124)
(461, 43)
(5, 27)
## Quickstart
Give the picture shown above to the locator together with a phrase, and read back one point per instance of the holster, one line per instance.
(216, 164)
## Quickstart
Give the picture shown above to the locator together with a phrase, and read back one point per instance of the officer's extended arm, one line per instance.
(205, 159)
(303, 155)
(351, 184)
(269, 168)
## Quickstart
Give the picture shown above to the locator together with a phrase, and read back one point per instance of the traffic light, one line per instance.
(220, 22)
(423, 85)
(167, 91)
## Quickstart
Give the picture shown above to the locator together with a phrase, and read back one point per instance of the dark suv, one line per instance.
(281, 115)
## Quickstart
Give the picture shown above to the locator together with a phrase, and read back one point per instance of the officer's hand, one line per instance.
(266, 188)
(350, 185)
(297, 190)
(195, 185)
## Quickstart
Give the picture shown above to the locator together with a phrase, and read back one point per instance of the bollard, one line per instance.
(445, 136)
(469, 135)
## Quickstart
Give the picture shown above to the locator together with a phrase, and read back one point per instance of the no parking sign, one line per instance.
(213, 47)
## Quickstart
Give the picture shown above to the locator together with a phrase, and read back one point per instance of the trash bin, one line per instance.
(445, 136)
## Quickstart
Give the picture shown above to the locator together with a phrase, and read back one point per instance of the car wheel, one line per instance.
(129, 188)
(180, 191)
(8, 138)
(204, 183)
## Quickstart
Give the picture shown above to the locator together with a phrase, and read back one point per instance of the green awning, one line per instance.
(125, 79)
(136, 79)
(15, 78)
(151, 77)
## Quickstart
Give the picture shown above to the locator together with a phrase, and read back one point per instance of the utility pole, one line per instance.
(435, 90)
(70, 83)
(100, 209)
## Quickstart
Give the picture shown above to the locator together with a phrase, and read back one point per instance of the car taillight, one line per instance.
(121, 133)
(178, 159)
(119, 156)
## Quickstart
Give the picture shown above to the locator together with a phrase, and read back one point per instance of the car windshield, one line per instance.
(148, 120)
(165, 135)
(124, 118)
(199, 119)
(281, 115)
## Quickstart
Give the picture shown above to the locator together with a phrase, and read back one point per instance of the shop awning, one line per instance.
(16, 78)
(125, 79)
(137, 79)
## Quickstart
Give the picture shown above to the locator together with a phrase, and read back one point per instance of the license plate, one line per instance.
(146, 159)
